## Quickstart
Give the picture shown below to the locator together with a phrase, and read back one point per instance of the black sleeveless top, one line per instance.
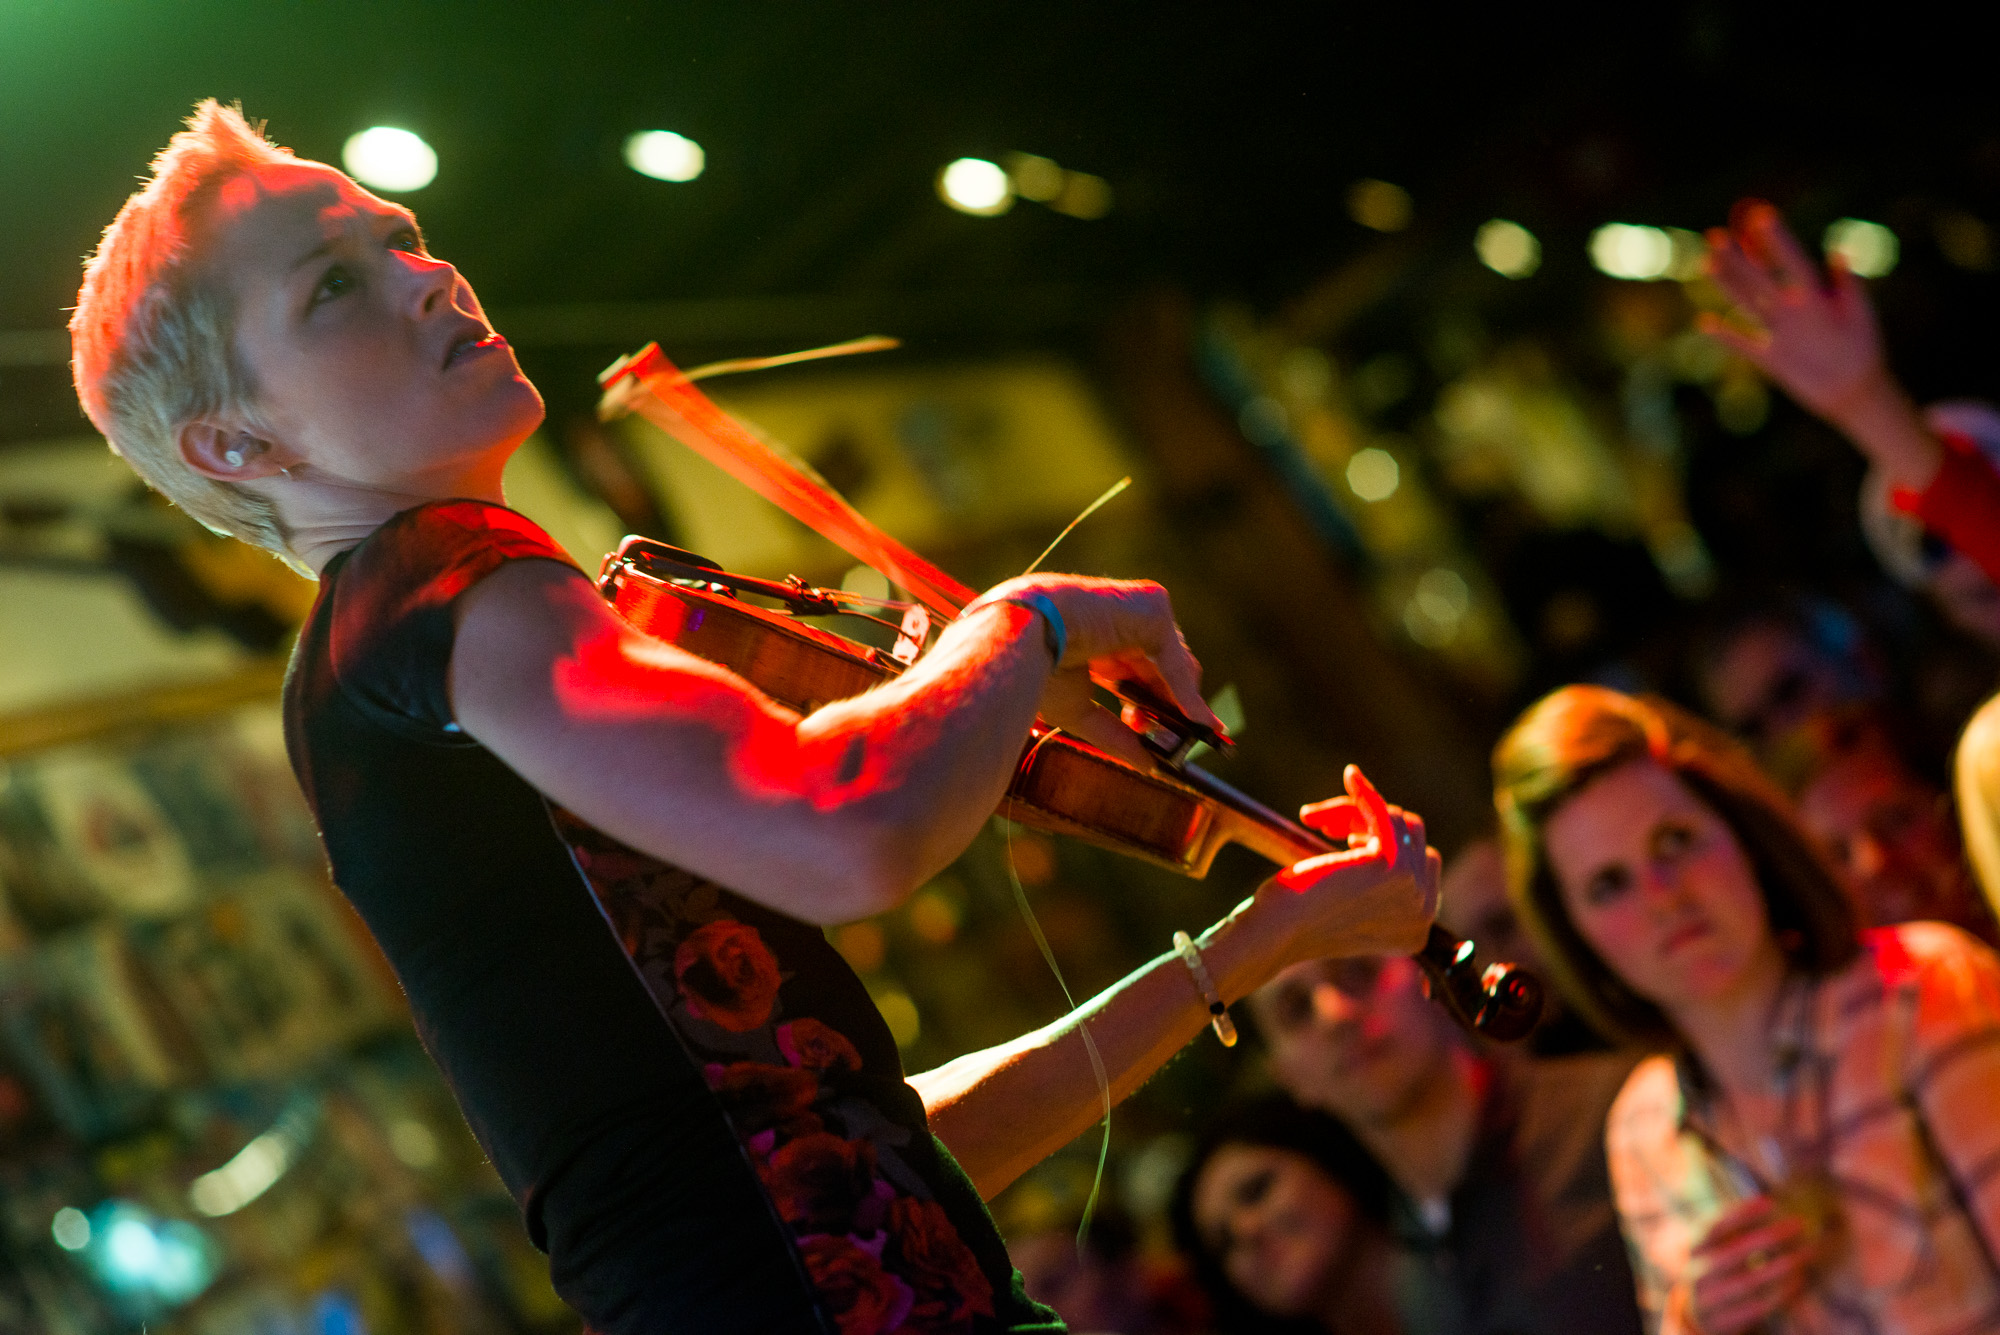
(692, 1098)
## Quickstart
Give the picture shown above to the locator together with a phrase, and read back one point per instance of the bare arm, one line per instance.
(828, 817)
(1817, 337)
(1004, 1109)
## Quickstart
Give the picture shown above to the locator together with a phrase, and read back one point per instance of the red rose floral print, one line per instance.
(881, 1254)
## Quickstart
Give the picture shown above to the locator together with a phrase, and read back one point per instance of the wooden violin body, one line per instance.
(1179, 821)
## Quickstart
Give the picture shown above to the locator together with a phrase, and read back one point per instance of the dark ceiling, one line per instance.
(1230, 135)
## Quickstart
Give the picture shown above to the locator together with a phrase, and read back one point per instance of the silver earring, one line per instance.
(234, 458)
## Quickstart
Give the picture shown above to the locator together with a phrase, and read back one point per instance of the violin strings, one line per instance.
(1083, 1028)
(1088, 511)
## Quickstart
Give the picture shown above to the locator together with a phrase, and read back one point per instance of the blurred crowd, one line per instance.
(1761, 1095)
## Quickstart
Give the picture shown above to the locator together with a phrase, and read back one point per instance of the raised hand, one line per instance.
(1815, 334)
(1753, 1262)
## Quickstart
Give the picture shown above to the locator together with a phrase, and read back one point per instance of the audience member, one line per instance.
(1815, 335)
(1499, 1201)
(1283, 1217)
(1918, 557)
(1813, 1147)
(1473, 902)
(1109, 1286)
(1789, 674)
(1976, 784)
(1892, 832)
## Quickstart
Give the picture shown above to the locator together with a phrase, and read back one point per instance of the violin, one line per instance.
(1178, 817)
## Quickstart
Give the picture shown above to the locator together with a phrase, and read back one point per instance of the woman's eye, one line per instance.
(1673, 840)
(335, 281)
(408, 239)
(1606, 886)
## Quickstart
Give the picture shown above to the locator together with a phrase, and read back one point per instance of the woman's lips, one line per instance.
(465, 349)
(1683, 936)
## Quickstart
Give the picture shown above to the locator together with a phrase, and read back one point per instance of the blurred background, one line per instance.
(1387, 312)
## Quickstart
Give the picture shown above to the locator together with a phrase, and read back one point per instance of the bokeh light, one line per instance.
(71, 1229)
(386, 158)
(1083, 196)
(1444, 595)
(1964, 240)
(664, 155)
(1626, 250)
(1870, 249)
(1507, 248)
(248, 1175)
(413, 1143)
(976, 186)
(1437, 607)
(1373, 475)
(147, 1261)
(899, 1013)
(1689, 254)
(1380, 205)
(1035, 177)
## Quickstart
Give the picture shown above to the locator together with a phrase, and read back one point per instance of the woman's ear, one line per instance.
(226, 453)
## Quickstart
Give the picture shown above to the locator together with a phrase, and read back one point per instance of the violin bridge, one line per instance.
(915, 633)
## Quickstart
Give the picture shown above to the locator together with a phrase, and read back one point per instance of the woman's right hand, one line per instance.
(1753, 1263)
(1116, 630)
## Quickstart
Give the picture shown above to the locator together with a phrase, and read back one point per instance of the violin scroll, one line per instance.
(1503, 1004)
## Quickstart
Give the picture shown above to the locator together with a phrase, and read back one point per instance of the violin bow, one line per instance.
(648, 384)
(1503, 1003)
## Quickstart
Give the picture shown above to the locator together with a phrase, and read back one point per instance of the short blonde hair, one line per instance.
(151, 340)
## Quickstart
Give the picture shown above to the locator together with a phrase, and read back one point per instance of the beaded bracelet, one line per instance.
(1218, 1014)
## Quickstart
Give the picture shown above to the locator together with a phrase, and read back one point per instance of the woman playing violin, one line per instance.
(600, 865)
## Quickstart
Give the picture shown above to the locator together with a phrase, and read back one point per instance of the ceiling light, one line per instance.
(1624, 250)
(1507, 248)
(386, 158)
(975, 186)
(664, 155)
(1870, 249)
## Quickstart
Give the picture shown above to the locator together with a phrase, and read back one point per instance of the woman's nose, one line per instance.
(1246, 1228)
(1662, 886)
(1866, 856)
(1331, 1005)
(430, 282)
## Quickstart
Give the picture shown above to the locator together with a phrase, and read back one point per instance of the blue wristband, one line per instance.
(1054, 633)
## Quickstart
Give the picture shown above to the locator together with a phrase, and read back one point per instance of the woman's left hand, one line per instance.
(1376, 897)
(1753, 1263)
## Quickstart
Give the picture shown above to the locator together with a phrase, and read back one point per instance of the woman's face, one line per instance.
(1280, 1227)
(372, 359)
(1656, 883)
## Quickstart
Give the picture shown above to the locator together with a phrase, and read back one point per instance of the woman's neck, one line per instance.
(1731, 1033)
(324, 514)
